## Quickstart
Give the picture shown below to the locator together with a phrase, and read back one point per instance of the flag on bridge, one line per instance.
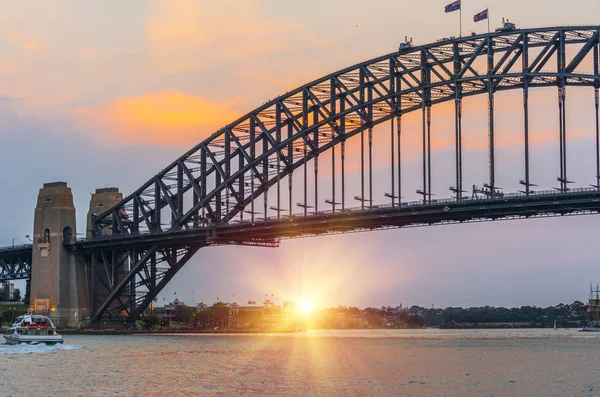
(454, 6)
(481, 16)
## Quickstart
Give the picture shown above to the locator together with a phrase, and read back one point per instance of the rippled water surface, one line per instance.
(326, 363)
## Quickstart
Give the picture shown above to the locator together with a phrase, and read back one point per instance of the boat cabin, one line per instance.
(33, 325)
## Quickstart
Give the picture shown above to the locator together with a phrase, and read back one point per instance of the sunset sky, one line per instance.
(107, 93)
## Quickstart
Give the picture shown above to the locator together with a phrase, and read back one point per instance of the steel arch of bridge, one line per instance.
(15, 263)
(224, 176)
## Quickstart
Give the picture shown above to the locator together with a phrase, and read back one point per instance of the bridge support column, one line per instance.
(100, 275)
(399, 135)
(597, 105)
(55, 271)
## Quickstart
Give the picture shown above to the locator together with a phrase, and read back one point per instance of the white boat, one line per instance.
(32, 329)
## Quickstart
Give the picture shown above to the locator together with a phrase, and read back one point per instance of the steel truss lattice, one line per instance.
(225, 180)
(15, 263)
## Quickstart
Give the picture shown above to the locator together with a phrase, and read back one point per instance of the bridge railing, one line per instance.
(16, 247)
(404, 206)
(437, 202)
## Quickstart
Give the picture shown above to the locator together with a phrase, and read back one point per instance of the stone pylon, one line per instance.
(105, 276)
(59, 277)
(101, 201)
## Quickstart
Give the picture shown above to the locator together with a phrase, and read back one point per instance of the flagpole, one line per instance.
(460, 16)
(488, 18)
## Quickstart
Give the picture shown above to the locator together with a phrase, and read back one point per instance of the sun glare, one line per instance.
(305, 306)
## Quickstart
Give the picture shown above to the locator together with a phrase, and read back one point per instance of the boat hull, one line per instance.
(33, 339)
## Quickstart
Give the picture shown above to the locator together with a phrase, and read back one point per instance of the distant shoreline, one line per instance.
(162, 331)
(459, 326)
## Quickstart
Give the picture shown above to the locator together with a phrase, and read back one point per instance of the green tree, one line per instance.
(221, 312)
(150, 321)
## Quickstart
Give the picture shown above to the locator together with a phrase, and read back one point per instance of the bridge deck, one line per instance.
(548, 203)
(15, 250)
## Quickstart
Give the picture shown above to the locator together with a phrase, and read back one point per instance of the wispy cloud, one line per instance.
(185, 34)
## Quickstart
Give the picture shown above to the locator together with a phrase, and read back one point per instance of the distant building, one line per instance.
(252, 315)
(11, 292)
(171, 307)
(201, 306)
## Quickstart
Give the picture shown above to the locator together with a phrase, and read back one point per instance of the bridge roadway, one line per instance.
(15, 262)
(268, 232)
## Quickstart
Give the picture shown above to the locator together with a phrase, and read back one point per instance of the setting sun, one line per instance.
(305, 306)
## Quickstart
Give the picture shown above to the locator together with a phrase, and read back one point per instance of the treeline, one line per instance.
(565, 315)
(342, 317)
(8, 314)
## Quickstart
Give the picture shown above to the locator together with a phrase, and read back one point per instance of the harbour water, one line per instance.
(318, 363)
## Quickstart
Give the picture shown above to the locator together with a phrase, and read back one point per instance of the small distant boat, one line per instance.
(32, 329)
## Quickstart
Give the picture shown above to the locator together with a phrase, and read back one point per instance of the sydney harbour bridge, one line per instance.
(259, 180)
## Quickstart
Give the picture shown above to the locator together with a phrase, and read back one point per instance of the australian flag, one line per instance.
(481, 16)
(454, 6)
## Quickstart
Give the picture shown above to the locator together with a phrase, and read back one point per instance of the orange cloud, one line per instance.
(20, 38)
(31, 46)
(166, 117)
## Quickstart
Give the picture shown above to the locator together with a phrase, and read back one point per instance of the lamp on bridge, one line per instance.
(305, 206)
(488, 192)
(330, 202)
(394, 197)
(455, 190)
(252, 213)
(426, 196)
(28, 238)
(564, 184)
(277, 209)
(527, 186)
